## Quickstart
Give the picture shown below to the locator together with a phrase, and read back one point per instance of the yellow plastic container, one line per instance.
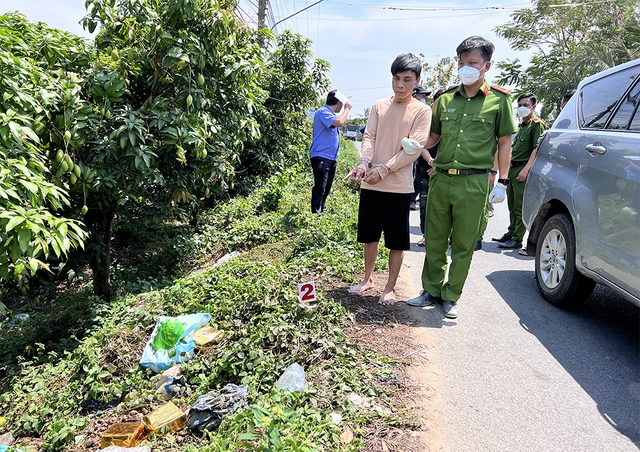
(124, 434)
(207, 337)
(168, 415)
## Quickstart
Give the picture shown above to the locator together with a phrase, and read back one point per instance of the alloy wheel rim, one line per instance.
(553, 259)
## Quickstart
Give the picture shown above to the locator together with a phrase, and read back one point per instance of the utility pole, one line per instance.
(262, 13)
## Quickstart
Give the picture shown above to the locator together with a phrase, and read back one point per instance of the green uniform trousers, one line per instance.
(456, 206)
(515, 195)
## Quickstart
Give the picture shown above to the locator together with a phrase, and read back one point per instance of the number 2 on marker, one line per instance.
(307, 292)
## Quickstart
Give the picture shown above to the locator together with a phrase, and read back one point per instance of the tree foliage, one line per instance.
(572, 40)
(34, 63)
(292, 81)
(441, 75)
(144, 122)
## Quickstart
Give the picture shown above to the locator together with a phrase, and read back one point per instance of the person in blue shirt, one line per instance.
(324, 147)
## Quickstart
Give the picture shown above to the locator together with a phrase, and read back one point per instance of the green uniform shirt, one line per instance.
(527, 137)
(469, 127)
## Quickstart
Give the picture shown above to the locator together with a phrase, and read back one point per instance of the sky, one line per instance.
(359, 40)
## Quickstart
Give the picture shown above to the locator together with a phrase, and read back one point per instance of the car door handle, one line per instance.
(595, 148)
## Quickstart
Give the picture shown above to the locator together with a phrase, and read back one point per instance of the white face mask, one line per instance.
(469, 75)
(523, 112)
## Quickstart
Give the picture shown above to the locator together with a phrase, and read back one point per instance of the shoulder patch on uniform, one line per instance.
(536, 120)
(501, 89)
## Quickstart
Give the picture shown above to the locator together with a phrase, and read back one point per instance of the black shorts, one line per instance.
(380, 212)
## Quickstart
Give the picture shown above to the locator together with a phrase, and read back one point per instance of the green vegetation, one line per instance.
(572, 41)
(172, 104)
(50, 386)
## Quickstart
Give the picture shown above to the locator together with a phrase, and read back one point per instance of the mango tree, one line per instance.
(172, 93)
(34, 63)
(142, 123)
(293, 81)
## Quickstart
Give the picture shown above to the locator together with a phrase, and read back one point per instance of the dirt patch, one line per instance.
(392, 331)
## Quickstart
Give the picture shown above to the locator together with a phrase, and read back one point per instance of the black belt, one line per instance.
(514, 164)
(461, 172)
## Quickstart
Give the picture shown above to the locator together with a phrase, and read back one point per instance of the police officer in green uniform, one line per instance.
(471, 121)
(522, 157)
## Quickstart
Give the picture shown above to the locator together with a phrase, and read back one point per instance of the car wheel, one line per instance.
(558, 280)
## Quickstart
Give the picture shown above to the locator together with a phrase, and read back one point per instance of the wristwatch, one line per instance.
(504, 181)
(494, 172)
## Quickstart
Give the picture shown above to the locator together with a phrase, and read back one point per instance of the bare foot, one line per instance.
(361, 288)
(387, 298)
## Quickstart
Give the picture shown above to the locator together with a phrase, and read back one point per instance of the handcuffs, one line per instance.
(375, 165)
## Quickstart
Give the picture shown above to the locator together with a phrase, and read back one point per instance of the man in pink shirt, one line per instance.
(385, 172)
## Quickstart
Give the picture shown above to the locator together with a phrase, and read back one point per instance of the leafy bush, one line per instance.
(254, 302)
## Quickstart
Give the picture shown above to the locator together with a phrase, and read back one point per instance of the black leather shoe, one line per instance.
(505, 238)
(449, 309)
(422, 300)
(510, 244)
(478, 245)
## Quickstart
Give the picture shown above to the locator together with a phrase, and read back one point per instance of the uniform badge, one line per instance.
(450, 110)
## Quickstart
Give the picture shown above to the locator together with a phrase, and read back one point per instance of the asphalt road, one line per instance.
(518, 374)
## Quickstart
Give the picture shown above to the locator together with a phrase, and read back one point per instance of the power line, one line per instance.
(447, 16)
(297, 12)
(413, 8)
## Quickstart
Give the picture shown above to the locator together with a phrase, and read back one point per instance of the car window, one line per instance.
(628, 108)
(599, 98)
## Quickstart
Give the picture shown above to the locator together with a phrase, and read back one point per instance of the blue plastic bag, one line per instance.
(172, 341)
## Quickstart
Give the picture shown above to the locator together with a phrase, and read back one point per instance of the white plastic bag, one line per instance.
(292, 379)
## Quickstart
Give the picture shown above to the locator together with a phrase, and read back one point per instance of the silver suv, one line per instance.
(582, 198)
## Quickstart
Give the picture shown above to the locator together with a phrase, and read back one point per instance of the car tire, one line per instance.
(559, 282)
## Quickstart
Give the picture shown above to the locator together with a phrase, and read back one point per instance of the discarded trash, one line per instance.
(172, 341)
(226, 258)
(125, 434)
(125, 449)
(292, 379)
(171, 383)
(390, 379)
(422, 347)
(206, 337)
(355, 398)
(171, 372)
(207, 412)
(169, 416)
(6, 439)
(347, 436)
(6, 448)
(336, 418)
(381, 409)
